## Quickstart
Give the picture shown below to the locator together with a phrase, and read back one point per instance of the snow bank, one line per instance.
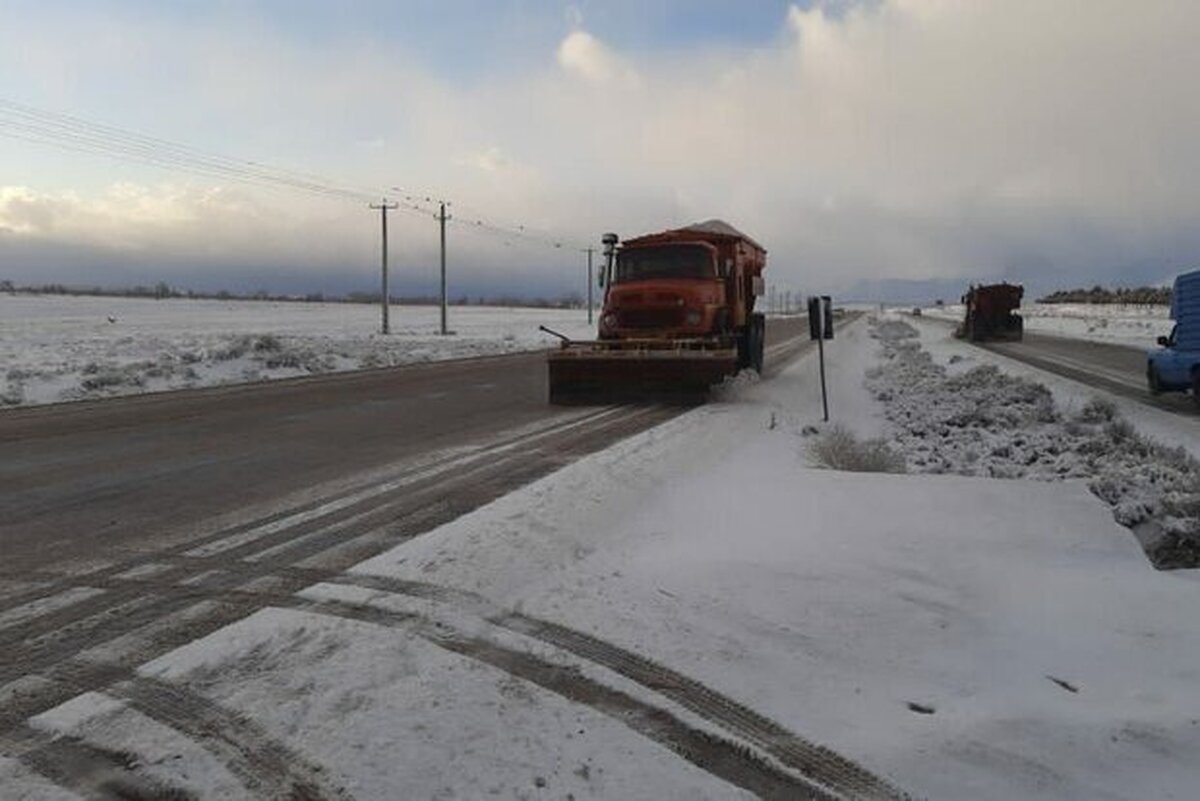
(56, 348)
(984, 422)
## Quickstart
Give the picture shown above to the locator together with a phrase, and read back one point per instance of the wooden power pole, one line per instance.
(442, 223)
(589, 252)
(383, 300)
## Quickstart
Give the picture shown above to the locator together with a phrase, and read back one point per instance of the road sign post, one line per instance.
(820, 328)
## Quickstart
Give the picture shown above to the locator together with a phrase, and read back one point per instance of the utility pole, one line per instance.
(383, 300)
(589, 252)
(442, 224)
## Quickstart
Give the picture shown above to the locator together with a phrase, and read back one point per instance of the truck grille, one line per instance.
(650, 318)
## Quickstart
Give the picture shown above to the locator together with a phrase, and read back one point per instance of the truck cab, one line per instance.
(665, 290)
(695, 286)
(1175, 365)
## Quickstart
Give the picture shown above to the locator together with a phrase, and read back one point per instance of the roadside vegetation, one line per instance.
(839, 449)
(1140, 296)
(163, 291)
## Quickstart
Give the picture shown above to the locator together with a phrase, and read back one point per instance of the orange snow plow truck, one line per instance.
(678, 316)
(991, 313)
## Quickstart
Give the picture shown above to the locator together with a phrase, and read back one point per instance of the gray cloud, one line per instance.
(905, 139)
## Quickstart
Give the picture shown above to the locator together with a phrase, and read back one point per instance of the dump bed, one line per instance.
(729, 242)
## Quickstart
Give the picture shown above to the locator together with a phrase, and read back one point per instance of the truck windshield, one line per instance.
(670, 261)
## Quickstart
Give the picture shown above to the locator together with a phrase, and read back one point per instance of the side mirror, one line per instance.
(1164, 341)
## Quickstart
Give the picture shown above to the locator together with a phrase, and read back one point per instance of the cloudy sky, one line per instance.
(1048, 141)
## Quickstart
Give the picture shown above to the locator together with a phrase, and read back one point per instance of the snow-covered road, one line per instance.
(688, 615)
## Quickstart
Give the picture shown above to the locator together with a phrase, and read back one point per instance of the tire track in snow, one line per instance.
(87, 770)
(409, 512)
(145, 613)
(725, 759)
(261, 763)
(815, 762)
(264, 765)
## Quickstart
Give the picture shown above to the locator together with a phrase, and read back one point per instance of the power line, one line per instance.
(72, 133)
(68, 132)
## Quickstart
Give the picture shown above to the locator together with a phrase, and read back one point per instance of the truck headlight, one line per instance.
(693, 317)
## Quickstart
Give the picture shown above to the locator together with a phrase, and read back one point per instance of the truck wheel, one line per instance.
(1153, 380)
(759, 327)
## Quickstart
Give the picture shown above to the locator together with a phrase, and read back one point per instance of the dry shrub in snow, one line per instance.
(893, 330)
(986, 423)
(839, 449)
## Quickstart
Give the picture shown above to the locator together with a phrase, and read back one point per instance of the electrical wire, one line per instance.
(68, 132)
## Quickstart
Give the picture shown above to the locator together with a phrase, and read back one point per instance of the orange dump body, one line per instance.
(991, 313)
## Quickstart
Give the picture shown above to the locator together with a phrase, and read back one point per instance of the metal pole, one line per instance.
(383, 299)
(442, 222)
(589, 284)
(824, 397)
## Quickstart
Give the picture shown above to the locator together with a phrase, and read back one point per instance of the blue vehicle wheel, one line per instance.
(1196, 385)
(1153, 380)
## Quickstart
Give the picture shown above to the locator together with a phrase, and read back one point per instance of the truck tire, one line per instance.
(758, 325)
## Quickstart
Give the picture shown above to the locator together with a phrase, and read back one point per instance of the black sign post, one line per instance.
(820, 328)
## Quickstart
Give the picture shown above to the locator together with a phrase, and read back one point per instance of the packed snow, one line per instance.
(1137, 326)
(61, 347)
(964, 636)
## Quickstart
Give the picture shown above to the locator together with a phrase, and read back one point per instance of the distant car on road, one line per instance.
(916, 312)
(1176, 365)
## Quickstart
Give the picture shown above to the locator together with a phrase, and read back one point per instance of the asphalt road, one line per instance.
(1116, 368)
(82, 484)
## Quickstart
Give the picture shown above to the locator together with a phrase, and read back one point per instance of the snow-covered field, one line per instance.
(58, 348)
(963, 636)
(1120, 324)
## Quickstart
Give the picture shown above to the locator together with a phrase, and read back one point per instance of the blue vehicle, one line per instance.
(1176, 365)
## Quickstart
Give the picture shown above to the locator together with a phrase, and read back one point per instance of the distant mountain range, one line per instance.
(906, 291)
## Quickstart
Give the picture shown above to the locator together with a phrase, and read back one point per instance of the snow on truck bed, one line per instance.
(961, 637)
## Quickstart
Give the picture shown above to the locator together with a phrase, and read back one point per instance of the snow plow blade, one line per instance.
(638, 370)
